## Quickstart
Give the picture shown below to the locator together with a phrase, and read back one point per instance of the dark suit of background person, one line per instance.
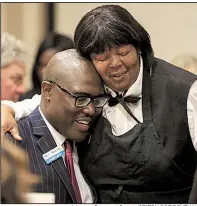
(37, 140)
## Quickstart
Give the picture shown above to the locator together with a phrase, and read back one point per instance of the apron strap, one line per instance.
(146, 99)
(147, 96)
(121, 101)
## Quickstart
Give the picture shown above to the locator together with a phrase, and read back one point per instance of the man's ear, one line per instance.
(46, 89)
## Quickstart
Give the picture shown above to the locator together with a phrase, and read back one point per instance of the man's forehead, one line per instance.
(70, 65)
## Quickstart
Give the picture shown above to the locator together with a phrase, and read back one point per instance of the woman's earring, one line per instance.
(140, 52)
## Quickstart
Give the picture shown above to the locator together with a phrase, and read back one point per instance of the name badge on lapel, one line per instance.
(53, 154)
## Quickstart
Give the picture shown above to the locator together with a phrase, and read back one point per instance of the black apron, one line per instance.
(134, 167)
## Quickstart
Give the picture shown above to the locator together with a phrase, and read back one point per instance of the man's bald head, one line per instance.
(68, 65)
(68, 81)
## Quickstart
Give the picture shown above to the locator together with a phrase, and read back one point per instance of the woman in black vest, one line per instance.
(143, 148)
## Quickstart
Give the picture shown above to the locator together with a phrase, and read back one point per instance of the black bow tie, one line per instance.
(129, 99)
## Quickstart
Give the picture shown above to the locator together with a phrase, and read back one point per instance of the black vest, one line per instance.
(155, 161)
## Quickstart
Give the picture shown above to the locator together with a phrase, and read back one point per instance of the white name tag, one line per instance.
(53, 154)
(40, 197)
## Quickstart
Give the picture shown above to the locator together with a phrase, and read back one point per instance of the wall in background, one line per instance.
(172, 26)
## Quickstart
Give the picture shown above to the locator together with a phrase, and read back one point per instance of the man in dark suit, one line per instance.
(72, 97)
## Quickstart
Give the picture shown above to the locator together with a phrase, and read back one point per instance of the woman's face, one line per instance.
(118, 67)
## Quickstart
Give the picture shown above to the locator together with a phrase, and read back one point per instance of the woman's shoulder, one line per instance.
(164, 68)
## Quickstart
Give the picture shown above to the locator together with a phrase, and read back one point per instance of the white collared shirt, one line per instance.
(85, 191)
(120, 120)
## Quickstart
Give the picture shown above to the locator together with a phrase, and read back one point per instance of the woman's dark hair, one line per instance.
(52, 40)
(108, 26)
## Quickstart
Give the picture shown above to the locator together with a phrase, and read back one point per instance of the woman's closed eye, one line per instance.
(101, 57)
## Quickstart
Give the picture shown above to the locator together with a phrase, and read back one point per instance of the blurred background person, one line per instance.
(15, 177)
(13, 67)
(52, 43)
(186, 61)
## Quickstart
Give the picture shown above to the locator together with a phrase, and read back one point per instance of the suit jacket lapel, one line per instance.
(47, 143)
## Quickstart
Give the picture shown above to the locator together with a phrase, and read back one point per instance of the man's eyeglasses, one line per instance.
(84, 100)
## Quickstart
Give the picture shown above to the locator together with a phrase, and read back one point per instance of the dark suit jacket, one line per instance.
(38, 140)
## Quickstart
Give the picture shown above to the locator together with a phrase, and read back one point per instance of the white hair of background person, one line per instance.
(12, 49)
(186, 61)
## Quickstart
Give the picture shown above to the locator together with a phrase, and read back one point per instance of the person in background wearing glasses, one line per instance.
(12, 67)
(72, 97)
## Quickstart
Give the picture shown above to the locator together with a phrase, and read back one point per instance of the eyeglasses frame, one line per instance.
(75, 96)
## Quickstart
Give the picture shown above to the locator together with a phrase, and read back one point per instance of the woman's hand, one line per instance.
(8, 123)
